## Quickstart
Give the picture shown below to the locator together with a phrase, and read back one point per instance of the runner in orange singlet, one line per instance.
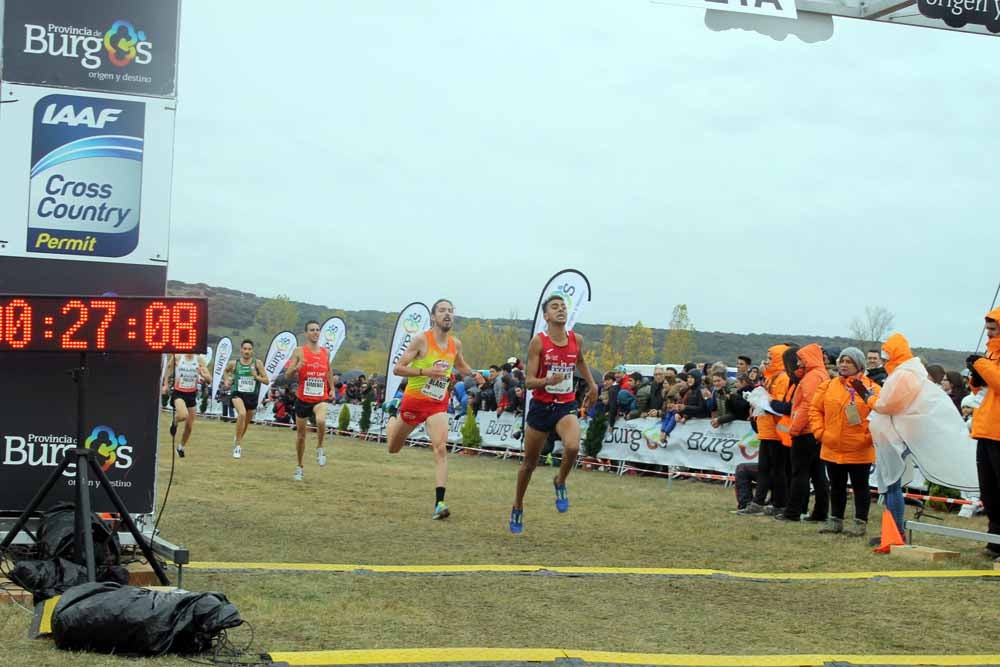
(427, 365)
(315, 377)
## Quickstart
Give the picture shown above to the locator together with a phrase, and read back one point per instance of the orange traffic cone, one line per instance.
(890, 534)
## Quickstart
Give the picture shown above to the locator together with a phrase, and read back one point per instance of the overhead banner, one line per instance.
(413, 320)
(332, 335)
(278, 354)
(222, 353)
(113, 46)
(574, 288)
(958, 13)
(779, 8)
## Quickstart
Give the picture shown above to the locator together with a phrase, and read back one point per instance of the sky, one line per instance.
(364, 154)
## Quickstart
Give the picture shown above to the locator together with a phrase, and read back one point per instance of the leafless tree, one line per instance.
(873, 327)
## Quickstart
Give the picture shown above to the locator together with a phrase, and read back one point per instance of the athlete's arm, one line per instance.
(294, 363)
(227, 375)
(535, 358)
(260, 373)
(203, 370)
(167, 374)
(416, 348)
(460, 364)
(584, 371)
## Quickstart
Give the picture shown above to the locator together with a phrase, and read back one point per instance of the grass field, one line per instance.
(367, 508)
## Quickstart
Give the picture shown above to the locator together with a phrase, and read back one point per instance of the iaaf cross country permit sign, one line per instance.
(86, 176)
(114, 46)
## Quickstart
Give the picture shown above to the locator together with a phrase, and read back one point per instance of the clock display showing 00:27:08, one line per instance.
(102, 324)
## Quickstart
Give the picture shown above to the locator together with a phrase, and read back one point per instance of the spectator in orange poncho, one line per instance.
(986, 424)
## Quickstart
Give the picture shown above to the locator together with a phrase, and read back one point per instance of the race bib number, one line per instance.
(313, 387)
(564, 386)
(187, 381)
(246, 385)
(436, 388)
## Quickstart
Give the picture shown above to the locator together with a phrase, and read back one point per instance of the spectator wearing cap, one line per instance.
(838, 416)
(607, 402)
(622, 378)
(876, 369)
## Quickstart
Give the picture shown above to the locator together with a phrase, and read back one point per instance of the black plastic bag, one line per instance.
(56, 536)
(48, 578)
(124, 619)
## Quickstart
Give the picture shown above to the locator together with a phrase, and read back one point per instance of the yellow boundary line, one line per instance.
(445, 655)
(659, 571)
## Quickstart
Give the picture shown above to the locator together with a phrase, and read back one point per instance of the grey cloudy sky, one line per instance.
(380, 152)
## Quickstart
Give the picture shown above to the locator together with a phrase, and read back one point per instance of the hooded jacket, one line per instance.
(695, 406)
(986, 420)
(843, 442)
(811, 357)
(776, 382)
(913, 414)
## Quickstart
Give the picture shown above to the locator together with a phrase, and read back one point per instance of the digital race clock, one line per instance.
(103, 324)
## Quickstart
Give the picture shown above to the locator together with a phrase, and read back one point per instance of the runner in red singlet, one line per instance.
(427, 364)
(311, 363)
(552, 359)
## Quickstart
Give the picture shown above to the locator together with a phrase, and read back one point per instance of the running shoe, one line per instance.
(320, 457)
(516, 521)
(237, 452)
(441, 511)
(180, 451)
(562, 501)
(299, 474)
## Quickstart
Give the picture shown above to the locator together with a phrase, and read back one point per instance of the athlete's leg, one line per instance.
(568, 429)
(180, 410)
(188, 426)
(241, 419)
(437, 429)
(533, 443)
(300, 437)
(397, 431)
(246, 423)
(319, 411)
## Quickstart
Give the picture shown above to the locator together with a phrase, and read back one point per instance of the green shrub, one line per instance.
(344, 420)
(470, 431)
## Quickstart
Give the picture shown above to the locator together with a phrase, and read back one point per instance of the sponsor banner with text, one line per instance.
(127, 47)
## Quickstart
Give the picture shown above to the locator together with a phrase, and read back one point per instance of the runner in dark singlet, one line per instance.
(244, 376)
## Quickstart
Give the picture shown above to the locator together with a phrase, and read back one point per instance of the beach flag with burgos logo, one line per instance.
(278, 354)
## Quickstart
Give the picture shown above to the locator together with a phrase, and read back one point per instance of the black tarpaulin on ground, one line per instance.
(107, 617)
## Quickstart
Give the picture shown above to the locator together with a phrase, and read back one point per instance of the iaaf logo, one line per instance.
(67, 115)
(122, 43)
(47, 450)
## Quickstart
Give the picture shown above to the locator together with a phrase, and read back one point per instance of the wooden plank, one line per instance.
(912, 552)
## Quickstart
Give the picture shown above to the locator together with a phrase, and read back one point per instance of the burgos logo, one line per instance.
(108, 445)
(411, 324)
(330, 335)
(283, 345)
(46, 451)
(123, 44)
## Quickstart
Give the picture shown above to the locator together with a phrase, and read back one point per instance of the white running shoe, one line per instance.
(299, 474)
(237, 452)
(320, 457)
